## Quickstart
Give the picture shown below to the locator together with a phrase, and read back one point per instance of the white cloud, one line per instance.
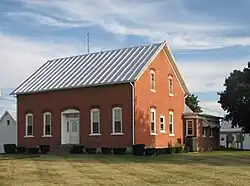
(182, 28)
(208, 76)
(20, 57)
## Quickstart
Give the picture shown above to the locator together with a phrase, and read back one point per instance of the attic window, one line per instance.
(152, 80)
(8, 122)
(170, 84)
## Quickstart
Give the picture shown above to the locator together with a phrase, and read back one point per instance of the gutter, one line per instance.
(133, 113)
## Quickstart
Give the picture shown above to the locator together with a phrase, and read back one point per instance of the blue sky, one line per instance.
(209, 39)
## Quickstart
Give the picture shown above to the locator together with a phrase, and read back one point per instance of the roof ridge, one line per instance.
(108, 50)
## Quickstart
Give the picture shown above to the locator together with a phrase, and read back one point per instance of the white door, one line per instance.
(74, 134)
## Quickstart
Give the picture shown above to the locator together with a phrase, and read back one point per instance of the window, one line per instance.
(152, 80)
(162, 124)
(211, 132)
(204, 131)
(152, 121)
(8, 122)
(189, 128)
(170, 79)
(171, 123)
(95, 121)
(47, 124)
(117, 120)
(29, 124)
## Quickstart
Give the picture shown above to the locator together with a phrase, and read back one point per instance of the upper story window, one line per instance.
(29, 124)
(170, 84)
(47, 124)
(171, 123)
(8, 122)
(152, 80)
(153, 121)
(189, 128)
(95, 121)
(117, 120)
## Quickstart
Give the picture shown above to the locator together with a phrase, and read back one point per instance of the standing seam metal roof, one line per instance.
(107, 67)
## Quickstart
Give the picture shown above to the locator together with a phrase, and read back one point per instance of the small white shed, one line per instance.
(229, 134)
(8, 129)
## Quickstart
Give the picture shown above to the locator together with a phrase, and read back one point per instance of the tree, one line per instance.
(235, 99)
(193, 103)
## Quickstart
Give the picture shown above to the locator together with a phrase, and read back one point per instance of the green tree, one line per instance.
(235, 99)
(193, 103)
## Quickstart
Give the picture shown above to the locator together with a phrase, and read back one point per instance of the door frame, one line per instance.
(64, 138)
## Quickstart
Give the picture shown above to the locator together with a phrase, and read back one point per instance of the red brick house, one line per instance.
(113, 98)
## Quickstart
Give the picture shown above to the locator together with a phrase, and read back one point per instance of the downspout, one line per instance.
(133, 113)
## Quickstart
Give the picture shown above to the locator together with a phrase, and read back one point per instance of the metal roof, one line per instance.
(226, 126)
(187, 109)
(100, 68)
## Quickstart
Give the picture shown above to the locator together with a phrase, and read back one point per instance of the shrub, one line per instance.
(91, 150)
(178, 150)
(21, 149)
(10, 148)
(33, 150)
(44, 149)
(169, 150)
(138, 149)
(119, 150)
(150, 151)
(106, 150)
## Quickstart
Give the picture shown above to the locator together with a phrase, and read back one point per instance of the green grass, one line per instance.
(213, 168)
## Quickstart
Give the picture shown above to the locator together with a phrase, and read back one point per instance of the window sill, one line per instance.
(211, 136)
(95, 134)
(152, 90)
(117, 134)
(204, 136)
(28, 136)
(162, 131)
(153, 134)
(171, 94)
(46, 136)
(171, 134)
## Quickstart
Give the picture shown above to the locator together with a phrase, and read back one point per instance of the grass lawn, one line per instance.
(213, 168)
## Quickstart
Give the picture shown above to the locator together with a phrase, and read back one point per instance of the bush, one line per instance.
(138, 149)
(33, 150)
(178, 150)
(119, 150)
(21, 149)
(150, 151)
(91, 150)
(44, 149)
(160, 151)
(78, 149)
(106, 150)
(169, 150)
(10, 148)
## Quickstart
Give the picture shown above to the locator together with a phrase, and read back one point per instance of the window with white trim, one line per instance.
(189, 128)
(29, 124)
(211, 132)
(152, 121)
(162, 124)
(204, 131)
(171, 123)
(170, 84)
(152, 80)
(95, 121)
(47, 124)
(117, 119)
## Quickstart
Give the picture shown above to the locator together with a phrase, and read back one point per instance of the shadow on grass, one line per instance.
(212, 158)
